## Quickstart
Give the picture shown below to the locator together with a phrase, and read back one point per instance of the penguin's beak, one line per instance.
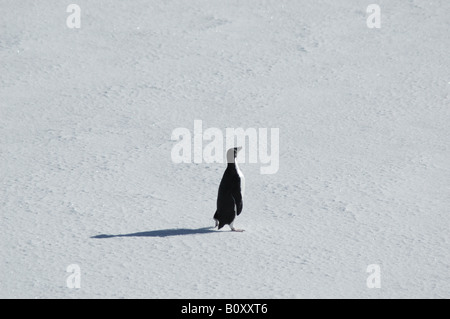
(238, 148)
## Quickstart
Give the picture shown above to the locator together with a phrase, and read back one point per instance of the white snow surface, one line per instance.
(86, 175)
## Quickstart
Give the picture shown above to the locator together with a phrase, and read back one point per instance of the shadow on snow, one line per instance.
(163, 233)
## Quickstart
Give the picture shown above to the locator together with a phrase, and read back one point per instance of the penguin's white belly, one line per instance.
(242, 180)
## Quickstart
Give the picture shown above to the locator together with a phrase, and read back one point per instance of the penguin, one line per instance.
(231, 192)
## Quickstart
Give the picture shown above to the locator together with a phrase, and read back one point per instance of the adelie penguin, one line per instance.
(231, 192)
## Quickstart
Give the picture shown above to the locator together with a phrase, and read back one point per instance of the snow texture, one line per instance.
(86, 176)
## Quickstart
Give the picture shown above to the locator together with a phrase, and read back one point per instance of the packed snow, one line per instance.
(93, 205)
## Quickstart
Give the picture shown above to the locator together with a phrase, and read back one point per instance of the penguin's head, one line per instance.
(232, 153)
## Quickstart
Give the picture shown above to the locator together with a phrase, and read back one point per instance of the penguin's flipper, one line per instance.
(237, 197)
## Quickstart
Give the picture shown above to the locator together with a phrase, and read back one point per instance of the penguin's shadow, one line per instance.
(163, 233)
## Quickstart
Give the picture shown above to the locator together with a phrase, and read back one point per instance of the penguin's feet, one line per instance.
(234, 229)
